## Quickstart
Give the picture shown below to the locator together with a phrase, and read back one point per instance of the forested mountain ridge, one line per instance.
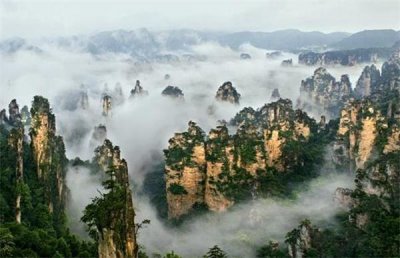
(34, 195)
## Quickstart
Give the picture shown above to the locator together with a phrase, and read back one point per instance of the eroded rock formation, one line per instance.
(226, 92)
(14, 114)
(116, 233)
(49, 154)
(359, 125)
(25, 116)
(106, 102)
(301, 239)
(209, 171)
(138, 90)
(185, 171)
(220, 159)
(16, 143)
(321, 93)
(369, 79)
(172, 91)
(368, 142)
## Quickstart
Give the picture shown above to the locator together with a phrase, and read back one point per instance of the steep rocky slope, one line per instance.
(49, 153)
(138, 90)
(226, 92)
(111, 216)
(185, 171)
(33, 192)
(322, 94)
(367, 145)
(207, 171)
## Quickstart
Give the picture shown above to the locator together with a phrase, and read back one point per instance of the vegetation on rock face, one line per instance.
(370, 226)
(321, 93)
(177, 189)
(226, 92)
(238, 167)
(274, 148)
(369, 229)
(110, 217)
(41, 232)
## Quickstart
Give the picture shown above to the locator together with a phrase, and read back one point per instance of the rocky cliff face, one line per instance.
(138, 90)
(46, 163)
(281, 126)
(390, 76)
(359, 125)
(226, 92)
(16, 143)
(375, 84)
(368, 80)
(210, 170)
(379, 180)
(393, 140)
(25, 116)
(368, 140)
(106, 102)
(116, 236)
(49, 154)
(220, 161)
(14, 114)
(301, 239)
(321, 93)
(185, 171)
(14, 119)
(365, 124)
(3, 117)
(343, 197)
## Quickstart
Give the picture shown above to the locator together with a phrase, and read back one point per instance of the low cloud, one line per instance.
(143, 125)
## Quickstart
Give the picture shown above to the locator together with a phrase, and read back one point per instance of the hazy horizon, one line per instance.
(36, 19)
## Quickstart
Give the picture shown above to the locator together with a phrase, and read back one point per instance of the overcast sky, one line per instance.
(34, 18)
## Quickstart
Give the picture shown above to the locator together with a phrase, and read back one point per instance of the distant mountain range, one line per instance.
(282, 40)
(143, 43)
(369, 39)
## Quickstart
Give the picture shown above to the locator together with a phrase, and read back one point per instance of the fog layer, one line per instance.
(142, 127)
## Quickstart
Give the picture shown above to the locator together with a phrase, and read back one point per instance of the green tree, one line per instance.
(215, 252)
(172, 254)
(271, 250)
(98, 214)
(63, 247)
(6, 242)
